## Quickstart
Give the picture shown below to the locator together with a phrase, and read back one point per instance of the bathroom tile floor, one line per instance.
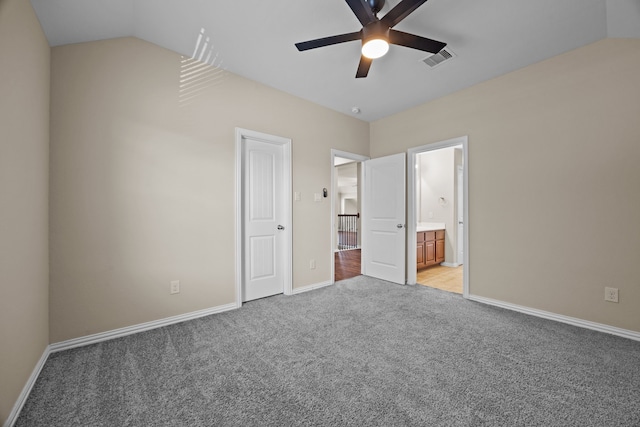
(446, 278)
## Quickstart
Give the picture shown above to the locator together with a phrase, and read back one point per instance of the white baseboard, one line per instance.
(141, 327)
(17, 407)
(600, 327)
(311, 287)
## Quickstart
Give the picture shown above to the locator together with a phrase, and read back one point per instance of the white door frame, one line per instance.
(459, 201)
(411, 207)
(355, 158)
(242, 134)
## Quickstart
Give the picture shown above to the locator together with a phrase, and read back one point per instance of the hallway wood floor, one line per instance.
(347, 264)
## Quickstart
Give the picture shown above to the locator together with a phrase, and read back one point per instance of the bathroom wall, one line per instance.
(437, 172)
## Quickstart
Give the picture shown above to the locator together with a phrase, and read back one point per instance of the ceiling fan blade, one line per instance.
(362, 11)
(328, 41)
(363, 67)
(401, 11)
(415, 42)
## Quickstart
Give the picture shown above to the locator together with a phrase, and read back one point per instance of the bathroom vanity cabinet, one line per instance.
(430, 248)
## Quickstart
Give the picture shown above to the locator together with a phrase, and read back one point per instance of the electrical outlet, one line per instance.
(317, 197)
(611, 294)
(297, 196)
(175, 287)
(312, 264)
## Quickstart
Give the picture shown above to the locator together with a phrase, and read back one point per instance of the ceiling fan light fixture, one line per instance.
(375, 48)
(377, 34)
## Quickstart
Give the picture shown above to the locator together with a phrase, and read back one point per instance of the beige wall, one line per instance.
(553, 179)
(142, 190)
(24, 139)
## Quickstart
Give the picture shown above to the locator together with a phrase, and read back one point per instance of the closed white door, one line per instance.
(264, 219)
(384, 236)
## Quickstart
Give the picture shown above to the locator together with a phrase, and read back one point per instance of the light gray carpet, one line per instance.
(361, 353)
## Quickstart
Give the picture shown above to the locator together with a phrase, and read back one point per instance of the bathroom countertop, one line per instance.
(430, 226)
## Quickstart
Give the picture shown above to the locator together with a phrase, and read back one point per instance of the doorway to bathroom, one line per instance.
(437, 212)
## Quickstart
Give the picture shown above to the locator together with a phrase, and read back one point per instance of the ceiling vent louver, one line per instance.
(438, 58)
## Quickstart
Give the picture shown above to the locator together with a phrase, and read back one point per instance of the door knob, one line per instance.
(400, 225)
(281, 227)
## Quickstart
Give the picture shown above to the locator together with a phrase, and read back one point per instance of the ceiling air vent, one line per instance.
(440, 57)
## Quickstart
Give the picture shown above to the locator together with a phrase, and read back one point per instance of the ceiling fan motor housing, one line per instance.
(376, 5)
(375, 30)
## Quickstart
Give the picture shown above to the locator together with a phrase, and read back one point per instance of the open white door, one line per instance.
(383, 219)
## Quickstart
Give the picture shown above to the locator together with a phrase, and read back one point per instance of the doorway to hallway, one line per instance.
(346, 208)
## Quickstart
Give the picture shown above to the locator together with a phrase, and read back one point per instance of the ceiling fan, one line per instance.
(376, 34)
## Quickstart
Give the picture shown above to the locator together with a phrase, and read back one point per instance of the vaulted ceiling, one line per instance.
(255, 39)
